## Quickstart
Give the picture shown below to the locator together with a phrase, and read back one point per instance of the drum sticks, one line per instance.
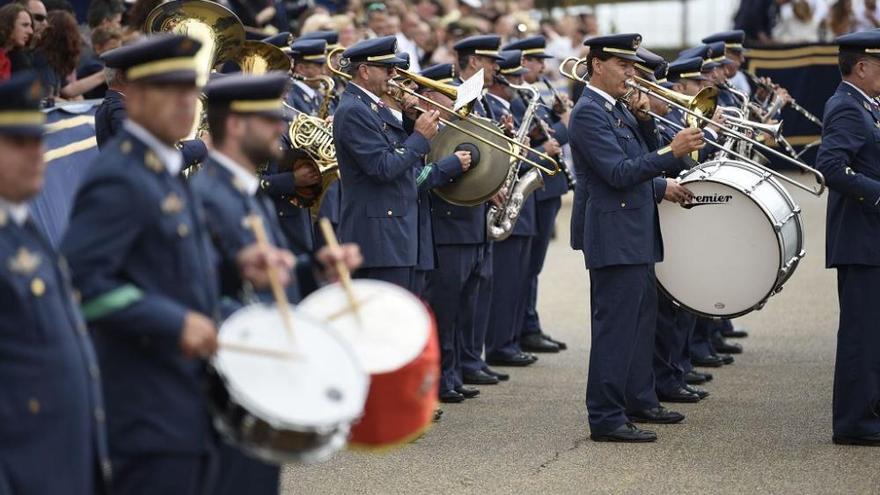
(256, 224)
(344, 274)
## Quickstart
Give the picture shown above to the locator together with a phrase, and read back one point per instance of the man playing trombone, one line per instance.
(615, 223)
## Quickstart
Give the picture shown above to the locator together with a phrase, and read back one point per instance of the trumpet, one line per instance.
(731, 132)
(471, 189)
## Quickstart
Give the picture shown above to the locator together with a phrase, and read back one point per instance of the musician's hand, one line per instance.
(783, 94)
(639, 105)
(551, 147)
(427, 124)
(306, 176)
(717, 121)
(410, 105)
(676, 192)
(687, 140)
(349, 254)
(254, 264)
(500, 198)
(198, 339)
(464, 157)
(506, 122)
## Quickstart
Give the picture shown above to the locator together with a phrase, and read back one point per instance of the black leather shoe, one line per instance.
(561, 344)
(517, 360)
(536, 342)
(735, 333)
(438, 413)
(708, 362)
(468, 392)
(725, 347)
(479, 377)
(628, 433)
(869, 441)
(726, 358)
(699, 392)
(502, 377)
(694, 377)
(682, 395)
(658, 415)
(451, 397)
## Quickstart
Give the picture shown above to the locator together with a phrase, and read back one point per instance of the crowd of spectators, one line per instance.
(805, 21)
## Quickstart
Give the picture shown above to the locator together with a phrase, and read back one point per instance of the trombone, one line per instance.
(463, 114)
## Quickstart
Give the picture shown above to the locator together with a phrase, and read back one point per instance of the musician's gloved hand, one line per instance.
(676, 192)
(349, 254)
(687, 140)
(254, 263)
(427, 124)
(198, 338)
(465, 158)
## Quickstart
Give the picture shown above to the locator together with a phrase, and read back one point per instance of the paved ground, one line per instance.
(766, 428)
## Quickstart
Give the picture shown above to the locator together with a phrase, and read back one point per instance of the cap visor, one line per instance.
(538, 55)
(395, 61)
(23, 130)
(177, 77)
(632, 58)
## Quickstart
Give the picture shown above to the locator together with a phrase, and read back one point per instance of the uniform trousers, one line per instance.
(623, 303)
(856, 403)
(404, 276)
(507, 310)
(452, 290)
(545, 216)
(168, 474)
(674, 327)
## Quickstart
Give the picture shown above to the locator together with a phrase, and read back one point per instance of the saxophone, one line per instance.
(500, 221)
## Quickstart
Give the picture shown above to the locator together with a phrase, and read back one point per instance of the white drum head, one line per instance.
(390, 329)
(721, 254)
(319, 385)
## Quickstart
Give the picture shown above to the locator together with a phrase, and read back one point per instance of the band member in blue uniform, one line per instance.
(848, 159)
(510, 257)
(549, 198)
(246, 121)
(377, 158)
(53, 412)
(615, 223)
(735, 52)
(111, 114)
(144, 264)
(281, 185)
(674, 324)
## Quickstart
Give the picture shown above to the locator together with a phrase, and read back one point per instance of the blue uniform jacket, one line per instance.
(142, 259)
(377, 160)
(296, 222)
(111, 114)
(428, 177)
(228, 206)
(51, 410)
(614, 217)
(300, 100)
(848, 158)
(554, 185)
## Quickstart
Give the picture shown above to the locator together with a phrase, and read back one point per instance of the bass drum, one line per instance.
(283, 398)
(395, 337)
(734, 246)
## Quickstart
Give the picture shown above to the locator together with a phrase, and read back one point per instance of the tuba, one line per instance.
(220, 32)
(259, 57)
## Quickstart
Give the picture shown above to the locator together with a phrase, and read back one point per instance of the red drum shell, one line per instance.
(400, 404)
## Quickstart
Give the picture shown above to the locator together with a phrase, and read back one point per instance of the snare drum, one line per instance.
(395, 337)
(283, 399)
(735, 245)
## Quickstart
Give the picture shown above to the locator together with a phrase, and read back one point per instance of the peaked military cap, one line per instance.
(533, 46)
(158, 59)
(651, 63)
(281, 40)
(405, 57)
(511, 63)
(312, 51)
(866, 42)
(619, 45)
(249, 94)
(486, 45)
(444, 73)
(686, 68)
(379, 51)
(733, 40)
(20, 113)
(710, 57)
(331, 37)
(718, 53)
